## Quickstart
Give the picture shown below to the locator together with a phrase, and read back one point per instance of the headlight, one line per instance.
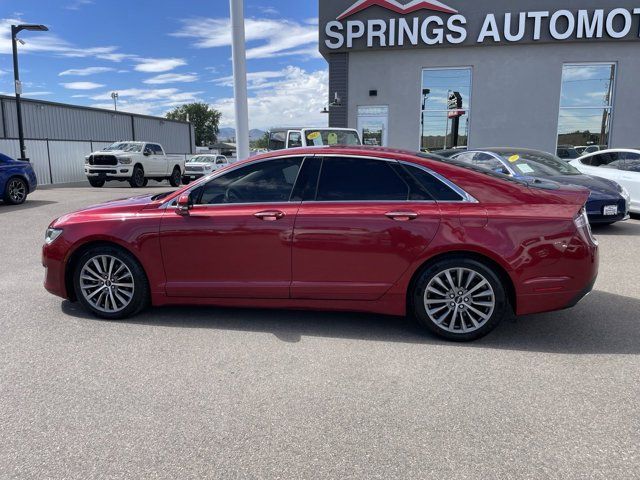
(124, 160)
(625, 193)
(86, 159)
(51, 235)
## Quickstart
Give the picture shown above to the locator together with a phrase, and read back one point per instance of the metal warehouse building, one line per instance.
(522, 73)
(59, 136)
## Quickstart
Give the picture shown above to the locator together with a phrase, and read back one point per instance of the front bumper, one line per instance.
(117, 171)
(54, 262)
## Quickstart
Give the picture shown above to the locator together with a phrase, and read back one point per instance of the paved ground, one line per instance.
(194, 393)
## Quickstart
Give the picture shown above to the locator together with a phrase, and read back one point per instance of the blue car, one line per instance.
(17, 180)
(608, 203)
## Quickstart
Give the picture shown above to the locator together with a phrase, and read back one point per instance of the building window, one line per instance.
(444, 110)
(586, 105)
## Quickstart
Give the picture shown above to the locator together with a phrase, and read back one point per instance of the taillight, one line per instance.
(582, 224)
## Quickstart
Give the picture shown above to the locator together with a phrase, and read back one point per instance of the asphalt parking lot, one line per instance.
(228, 393)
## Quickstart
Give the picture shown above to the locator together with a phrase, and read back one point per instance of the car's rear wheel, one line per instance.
(15, 191)
(459, 299)
(110, 283)
(175, 177)
(97, 183)
(137, 179)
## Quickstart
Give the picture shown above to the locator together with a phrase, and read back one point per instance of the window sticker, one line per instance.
(332, 138)
(524, 168)
(514, 158)
(313, 135)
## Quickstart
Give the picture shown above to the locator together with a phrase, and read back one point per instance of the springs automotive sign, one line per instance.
(421, 23)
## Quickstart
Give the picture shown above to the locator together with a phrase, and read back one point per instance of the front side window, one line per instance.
(604, 160)
(295, 139)
(270, 181)
(445, 108)
(157, 149)
(353, 179)
(586, 105)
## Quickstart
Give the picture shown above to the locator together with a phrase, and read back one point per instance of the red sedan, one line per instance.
(335, 228)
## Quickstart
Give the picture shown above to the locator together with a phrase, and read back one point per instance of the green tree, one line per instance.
(262, 142)
(205, 121)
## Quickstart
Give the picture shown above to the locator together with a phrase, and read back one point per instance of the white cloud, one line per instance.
(296, 95)
(254, 79)
(82, 85)
(156, 65)
(83, 72)
(275, 38)
(77, 4)
(171, 78)
(146, 101)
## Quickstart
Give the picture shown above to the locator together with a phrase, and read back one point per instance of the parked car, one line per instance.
(135, 162)
(608, 201)
(201, 165)
(17, 180)
(450, 152)
(584, 149)
(621, 165)
(363, 229)
(567, 152)
(282, 138)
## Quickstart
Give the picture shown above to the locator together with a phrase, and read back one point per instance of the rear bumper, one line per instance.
(564, 286)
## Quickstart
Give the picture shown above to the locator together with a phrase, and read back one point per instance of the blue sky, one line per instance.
(158, 54)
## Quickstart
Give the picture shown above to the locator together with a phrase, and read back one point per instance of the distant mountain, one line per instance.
(226, 134)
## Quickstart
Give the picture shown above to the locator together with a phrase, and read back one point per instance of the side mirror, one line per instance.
(183, 205)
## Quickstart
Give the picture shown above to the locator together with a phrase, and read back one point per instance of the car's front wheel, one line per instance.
(15, 191)
(110, 283)
(459, 299)
(97, 183)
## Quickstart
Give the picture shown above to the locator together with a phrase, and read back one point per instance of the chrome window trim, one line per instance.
(466, 197)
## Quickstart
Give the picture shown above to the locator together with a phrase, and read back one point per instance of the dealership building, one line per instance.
(529, 73)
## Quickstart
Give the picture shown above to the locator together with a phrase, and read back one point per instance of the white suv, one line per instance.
(201, 165)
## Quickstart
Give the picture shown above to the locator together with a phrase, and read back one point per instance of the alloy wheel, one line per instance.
(17, 191)
(459, 300)
(107, 283)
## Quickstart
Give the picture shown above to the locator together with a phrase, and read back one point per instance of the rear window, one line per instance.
(321, 137)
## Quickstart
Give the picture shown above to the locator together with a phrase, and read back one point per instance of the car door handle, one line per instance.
(269, 215)
(402, 216)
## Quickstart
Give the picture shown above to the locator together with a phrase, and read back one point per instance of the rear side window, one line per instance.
(354, 179)
(434, 187)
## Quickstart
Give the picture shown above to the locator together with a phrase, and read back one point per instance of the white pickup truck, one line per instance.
(135, 162)
(281, 138)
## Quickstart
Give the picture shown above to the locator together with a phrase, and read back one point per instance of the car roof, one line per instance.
(610, 150)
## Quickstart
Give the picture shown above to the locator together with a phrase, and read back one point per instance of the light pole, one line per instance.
(15, 29)
(114, 96)
(240, 78)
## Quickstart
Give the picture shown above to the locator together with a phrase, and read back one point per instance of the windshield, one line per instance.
(201, 159)
(125, 147)
(537, 164)
(320, 137)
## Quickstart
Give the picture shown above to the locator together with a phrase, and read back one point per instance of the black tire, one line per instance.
(185, 181)
(97, 183)
(146, 182)
(140, 297)
(464, 308)
(15, 191)
(175, 178)
(137, 178)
